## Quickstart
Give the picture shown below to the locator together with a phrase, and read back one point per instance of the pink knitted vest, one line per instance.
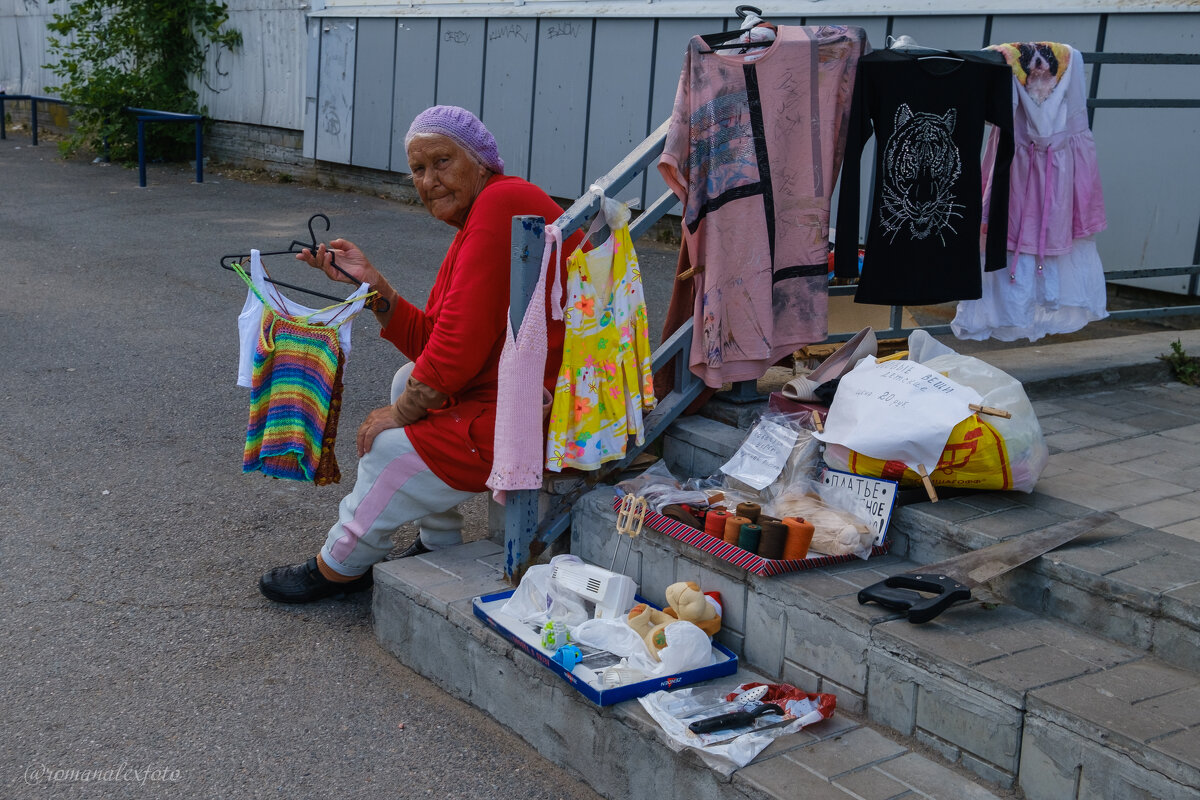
(517, 461)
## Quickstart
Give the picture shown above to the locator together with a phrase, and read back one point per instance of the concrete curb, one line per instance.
(1052, 370)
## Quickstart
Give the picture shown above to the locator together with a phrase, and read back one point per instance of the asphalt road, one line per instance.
(135, 649)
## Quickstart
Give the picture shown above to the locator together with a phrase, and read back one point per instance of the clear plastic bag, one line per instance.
(728, 750)
(539, 599)
(838, 531)
(660, 488)
(777, 451)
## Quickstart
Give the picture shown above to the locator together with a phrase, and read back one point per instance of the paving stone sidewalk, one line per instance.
(1135, 451)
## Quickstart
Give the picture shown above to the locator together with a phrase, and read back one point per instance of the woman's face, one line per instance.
(447, 178)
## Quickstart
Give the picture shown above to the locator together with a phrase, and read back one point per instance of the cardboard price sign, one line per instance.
(874, 498)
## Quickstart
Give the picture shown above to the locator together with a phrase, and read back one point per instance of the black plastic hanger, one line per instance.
(721, 41)
(295, 247)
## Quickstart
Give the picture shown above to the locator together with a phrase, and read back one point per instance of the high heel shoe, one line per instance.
(861, 345)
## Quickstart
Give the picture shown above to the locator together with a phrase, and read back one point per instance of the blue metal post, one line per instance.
(33, 118)
(141, 125)
(521, 507)
(199, 151)
(3, 123)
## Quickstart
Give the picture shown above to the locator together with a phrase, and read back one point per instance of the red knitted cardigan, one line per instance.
(457, 340)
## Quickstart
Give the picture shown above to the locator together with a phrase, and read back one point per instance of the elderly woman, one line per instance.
(431, 448)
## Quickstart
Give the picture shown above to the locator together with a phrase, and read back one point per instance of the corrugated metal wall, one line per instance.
(23, 46)
(263, 82)
(567, 97)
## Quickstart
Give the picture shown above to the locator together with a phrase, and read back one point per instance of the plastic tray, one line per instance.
(487, 608)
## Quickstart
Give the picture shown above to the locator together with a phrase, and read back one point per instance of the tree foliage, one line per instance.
(141, 53)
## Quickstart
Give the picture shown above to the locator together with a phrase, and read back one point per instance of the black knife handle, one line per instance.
(903, 593)
(734, 719)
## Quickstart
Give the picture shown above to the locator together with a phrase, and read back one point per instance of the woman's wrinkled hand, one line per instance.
(378, 421)
(348, 257)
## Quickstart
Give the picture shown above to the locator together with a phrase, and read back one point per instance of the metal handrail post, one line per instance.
(521, 506)
(200, 151)
(141, 139)
(150, 115)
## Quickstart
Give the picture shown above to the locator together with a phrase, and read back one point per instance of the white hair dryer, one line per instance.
(611, 592)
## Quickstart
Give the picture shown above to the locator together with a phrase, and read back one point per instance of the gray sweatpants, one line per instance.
(393, 487)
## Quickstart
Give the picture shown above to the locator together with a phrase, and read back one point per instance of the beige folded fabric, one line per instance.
(838, 533)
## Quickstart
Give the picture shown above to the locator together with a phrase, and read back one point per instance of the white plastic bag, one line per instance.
(539, 599)
(983, 451)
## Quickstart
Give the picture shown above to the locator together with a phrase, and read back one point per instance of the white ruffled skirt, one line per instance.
(1067, 294)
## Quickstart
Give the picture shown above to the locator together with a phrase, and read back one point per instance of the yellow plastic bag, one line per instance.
(981, 452)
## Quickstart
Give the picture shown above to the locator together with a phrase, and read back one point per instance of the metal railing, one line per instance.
(527, 524)
(33, 101)
(147, 115)
(143, 116)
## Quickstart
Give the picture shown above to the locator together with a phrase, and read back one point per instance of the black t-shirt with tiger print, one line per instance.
(927, 115)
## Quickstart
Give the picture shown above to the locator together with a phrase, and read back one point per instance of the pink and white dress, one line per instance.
(1055, 281)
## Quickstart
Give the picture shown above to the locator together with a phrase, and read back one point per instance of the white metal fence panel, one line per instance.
(461, 45)
(619, 96)
(415, 80)
(561, 98)
(335, 90)
(375, 55)
(1147, 156)
(507, 96)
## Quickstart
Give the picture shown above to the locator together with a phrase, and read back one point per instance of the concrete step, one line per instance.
(1018, 698)
(1129, 583)
(423, 615)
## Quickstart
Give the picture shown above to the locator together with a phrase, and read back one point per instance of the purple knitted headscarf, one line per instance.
(464, 128)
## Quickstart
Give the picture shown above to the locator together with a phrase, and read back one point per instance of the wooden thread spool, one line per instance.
(749, 537)
(799, 537)
(774, 535)
(733, 526)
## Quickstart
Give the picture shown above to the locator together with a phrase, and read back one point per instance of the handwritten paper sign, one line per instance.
(762, 455)
(897, 411)
(873, 498)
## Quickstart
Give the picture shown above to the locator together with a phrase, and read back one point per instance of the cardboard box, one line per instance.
(487, 608)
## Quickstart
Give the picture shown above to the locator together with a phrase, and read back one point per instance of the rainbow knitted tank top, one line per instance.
(295, 393)
(295, 396)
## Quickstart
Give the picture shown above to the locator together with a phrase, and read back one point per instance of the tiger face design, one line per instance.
(921, 167)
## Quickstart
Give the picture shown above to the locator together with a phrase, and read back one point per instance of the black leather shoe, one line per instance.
(304, 583)
(417, 548)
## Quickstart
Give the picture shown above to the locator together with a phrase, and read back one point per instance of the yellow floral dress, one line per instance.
(605, 383)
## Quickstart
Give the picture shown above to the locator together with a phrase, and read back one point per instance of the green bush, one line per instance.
(141, 53)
